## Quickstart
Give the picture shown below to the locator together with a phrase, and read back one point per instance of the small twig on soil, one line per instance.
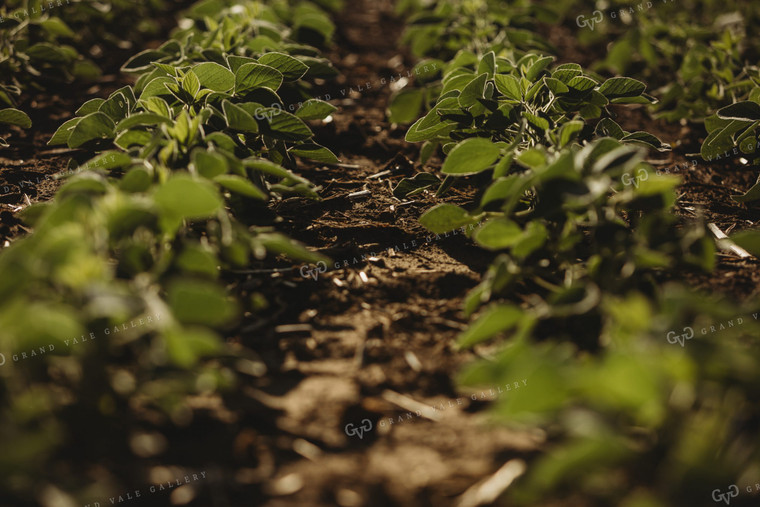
(379, 175)
(449, 323)
(341, 164)
(360, 194)
(6, 162)
(259, 271)
(726, 243)
(487, 491)
(307, 449)
(58, 151)
(293, 328)
(413, 360)
(408, 403)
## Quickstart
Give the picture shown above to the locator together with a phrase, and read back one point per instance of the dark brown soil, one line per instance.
(371, 339)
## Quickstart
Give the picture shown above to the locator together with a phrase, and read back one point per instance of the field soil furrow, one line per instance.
(373, 334)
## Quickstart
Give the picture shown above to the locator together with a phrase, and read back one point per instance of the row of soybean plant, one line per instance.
(631, 374)
(113, 309)
(44, 44)
(702, 56)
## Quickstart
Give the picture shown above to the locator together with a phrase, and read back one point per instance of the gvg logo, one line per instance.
(352, 430)
(314, 272)
(673, 338)
(267, 113)
(733, 492)
(635, 179)
(583, 21)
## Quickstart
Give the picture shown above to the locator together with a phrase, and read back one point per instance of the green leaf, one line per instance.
(567, 71)
(241, 186)
(315, 109)
(471, 156)
(89, 107)
(473, 91)
(646, 139)
(498, 234)
(214, 76)
(186, 197)
(446, 217)
(270, 168)
(141, 119)
(493, 321)
(185, 346)
(115, 107)
(569, 131)
(285, 126)
(508, 86)
(191, 84)
(130, 138)
(46, 52)
(109, 160)
(533, 158)
(200, 302)
(752, 195)
(312, 151)
(533, 238)
(137, 179)
(406, 105)
(748, 240)
(409, 187)
(280, 244)
(156, 87)
(239, 119)
(538, 66)
(235, 62)
(253, 75)
(61, 135)
(721, 140)
(431, 125)
(93, 126)
(744, 111)
(488, 64)
(55, 26)
(538, 122)
(581, 84)
(641, 99)
(198, 260)
(209, 164)
(502, 189)
(290, 68)
(142, 61)
(15, 117)
(622, 87)
(556, 86)
(610, 128)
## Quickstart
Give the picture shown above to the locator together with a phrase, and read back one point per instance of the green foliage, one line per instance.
(44, 44)
(11, 116)
(574, 299)
(182, 167)
(692, 52)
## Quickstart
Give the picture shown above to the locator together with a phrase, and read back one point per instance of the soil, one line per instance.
(370, 339)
